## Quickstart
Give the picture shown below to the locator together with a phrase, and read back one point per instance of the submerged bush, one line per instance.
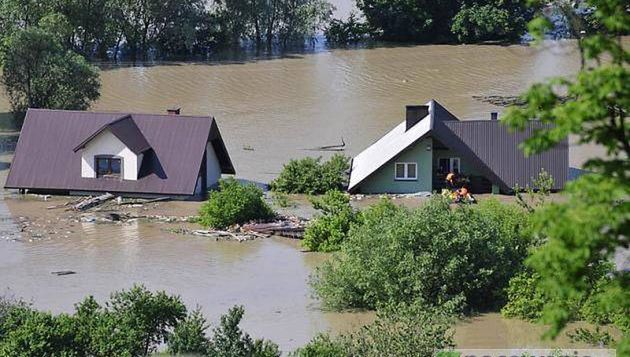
(328, 230)
(229, 340)
(434, 253)
(312, 176)
(189, 336)
(132, 322)
(232, 204)
(399, 330)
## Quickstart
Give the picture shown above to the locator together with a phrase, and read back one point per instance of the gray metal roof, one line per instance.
(484, 144)
(45, 158)
(498, 150)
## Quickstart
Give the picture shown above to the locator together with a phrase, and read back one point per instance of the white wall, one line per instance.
(107, 143)
(213, 169)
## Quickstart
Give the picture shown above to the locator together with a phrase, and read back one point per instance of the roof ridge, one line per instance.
(209, 116)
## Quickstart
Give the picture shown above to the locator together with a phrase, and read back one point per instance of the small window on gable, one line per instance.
(406, 171)
(108, 167)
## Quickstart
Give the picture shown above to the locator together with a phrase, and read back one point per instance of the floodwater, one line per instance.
(280, 107)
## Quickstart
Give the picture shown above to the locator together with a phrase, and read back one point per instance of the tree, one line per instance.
(496, 20)
(330, 228)
(593, 222)
(38, 73)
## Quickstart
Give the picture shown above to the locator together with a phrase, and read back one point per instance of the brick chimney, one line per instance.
(415, 113)
(174, 111)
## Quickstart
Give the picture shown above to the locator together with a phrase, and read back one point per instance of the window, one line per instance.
(447, 165)
(108, 167)
(406, 171)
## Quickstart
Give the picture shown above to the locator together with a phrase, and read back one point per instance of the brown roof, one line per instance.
(45, 156)
(126, 130)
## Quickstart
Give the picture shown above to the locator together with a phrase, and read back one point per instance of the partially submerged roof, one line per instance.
(46, 159)
(126, 130)
(485, 144)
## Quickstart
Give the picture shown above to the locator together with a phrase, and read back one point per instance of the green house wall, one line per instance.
(383, 181)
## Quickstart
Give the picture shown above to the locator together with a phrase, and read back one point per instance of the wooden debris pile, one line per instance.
(290, 227)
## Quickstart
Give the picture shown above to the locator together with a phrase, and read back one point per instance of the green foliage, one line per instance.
(312, 176)
(434, 253)
(493, 21)
(352, 30)
(399, 330)
(189, 336)
(330, 228)
(592, 222)
(537, 194)
(229, 340)
(525, 299)
(595, 337)
(234, 203)
(132, 323)
(38, 73)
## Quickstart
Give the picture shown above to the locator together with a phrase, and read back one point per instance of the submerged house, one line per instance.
(417, 155)
(142, 155)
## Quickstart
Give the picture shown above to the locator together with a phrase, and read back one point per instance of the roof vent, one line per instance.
(174, 111)
(494, 116)
(415, 113)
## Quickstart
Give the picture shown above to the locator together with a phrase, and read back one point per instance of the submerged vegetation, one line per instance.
(329, 229)
(132, 322)
(312, 176)
(234, 203)
(433, 254)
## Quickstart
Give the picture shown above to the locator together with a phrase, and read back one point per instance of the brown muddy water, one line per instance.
(281, 108)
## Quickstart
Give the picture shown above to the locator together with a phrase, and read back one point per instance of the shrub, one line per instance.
(326, 232)
(342, 32)
(434, 253)
(232, 204)
(311, 176)
(490, 22)
(399, 330)
(189, 337)
(524, 299)
(228, 340)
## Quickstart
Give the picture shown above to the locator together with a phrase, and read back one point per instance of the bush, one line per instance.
(132, 323)
(311, 176)
(399, 330)
(328, 230)
(524, 299)
(342, 32)
(491, 22)
(234, 203)
(189, 337)
(434, 253)
(230, 341)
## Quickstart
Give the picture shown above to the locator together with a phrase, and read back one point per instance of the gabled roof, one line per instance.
(485, 144)
(391, 145)
(45, 156)
(126, 130)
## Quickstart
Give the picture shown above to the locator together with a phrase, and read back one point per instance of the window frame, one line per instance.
(406, 171)
(451, 160)
(109, 159)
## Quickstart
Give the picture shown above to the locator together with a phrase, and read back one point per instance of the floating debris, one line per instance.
(63, 272)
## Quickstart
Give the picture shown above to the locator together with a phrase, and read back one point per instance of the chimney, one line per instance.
(415, 113)
(174, 111)
(494, 116)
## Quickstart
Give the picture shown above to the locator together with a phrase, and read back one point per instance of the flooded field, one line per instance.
(281, 108)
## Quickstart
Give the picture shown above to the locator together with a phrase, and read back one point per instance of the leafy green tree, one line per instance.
(592, 222)
(410, 20)
(351, 30)
(435, 253)
(189, 336)
(312, 176)
(496, 20)
(229, 340)
(234, 203)
(330, 228)
(38, 73)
